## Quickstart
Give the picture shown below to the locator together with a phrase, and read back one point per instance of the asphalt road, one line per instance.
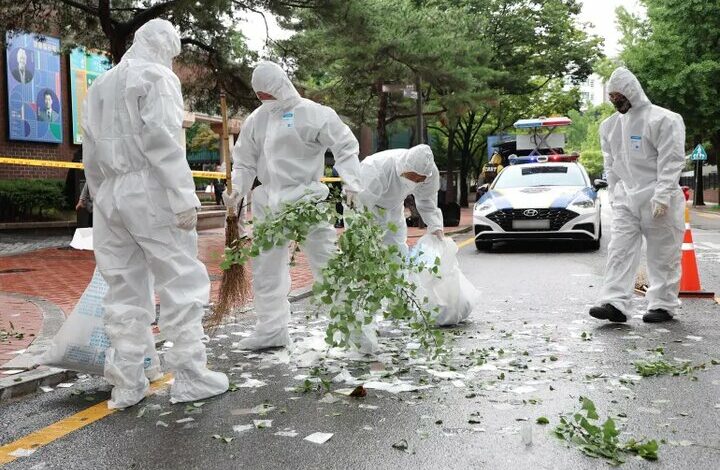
(534, 349)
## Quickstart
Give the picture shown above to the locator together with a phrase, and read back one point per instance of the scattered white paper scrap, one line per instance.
(184, 420)
(329, 399)
(368, 407)
(262, 423)
(319, 437)
(395, 387)
(12, 371)
(22, 452)
(19, 351)
(694, 338)
(458, 383)
(445, 374)
(161, 423)
(252, 383)
(287, 434)
(46, 389)
(64, 385)
(243, 428)
(523, 390)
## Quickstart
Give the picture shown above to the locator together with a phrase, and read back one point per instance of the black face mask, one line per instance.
(621, 103)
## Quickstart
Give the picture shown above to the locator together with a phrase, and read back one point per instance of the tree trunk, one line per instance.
(715, 157)
(118, 47)
(451, 192)
(382, 140)
(463, 184)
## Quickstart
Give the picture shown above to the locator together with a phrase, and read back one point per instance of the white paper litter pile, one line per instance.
(262, 423)
(243, 428)
(395, 387)
(319, 437)
(252, 383)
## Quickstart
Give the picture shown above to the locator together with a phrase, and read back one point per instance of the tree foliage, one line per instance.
(483, 64)
(214, 53)
(584, 136)
(675, 54)
(203, 138)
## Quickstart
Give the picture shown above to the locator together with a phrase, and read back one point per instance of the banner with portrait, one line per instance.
(33, 76)
(85, 67)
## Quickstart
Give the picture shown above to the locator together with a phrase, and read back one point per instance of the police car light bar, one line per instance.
(515, 160)
(542, 122)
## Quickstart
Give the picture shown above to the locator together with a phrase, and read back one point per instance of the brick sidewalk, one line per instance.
(17, 317)
(60, 276)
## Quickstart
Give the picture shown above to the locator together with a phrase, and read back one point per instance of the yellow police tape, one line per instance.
(79, 166)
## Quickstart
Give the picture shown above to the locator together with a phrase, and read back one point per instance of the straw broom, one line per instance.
(234, 287)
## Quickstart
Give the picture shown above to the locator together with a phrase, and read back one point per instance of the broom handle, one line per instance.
(224, 146)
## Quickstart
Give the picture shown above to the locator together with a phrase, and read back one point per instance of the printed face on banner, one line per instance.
(33, 78)
(85, 67)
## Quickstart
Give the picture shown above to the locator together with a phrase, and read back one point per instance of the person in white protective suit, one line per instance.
(644, 150)
(389, 177)
(146, 214)
(283, 144)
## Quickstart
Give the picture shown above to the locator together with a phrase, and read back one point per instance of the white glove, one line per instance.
(187, 220)
(350, 198)
(658, 209)
(439, 233)
(232, 199)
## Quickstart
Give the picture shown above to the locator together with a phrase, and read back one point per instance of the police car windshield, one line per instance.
(524, 176)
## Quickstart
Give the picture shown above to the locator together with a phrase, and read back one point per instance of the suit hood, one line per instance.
(268, 77)
(625, 82)
(156, 41)
(418, 159)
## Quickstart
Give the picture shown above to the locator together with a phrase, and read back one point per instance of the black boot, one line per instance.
(657, 315)
(608, 312)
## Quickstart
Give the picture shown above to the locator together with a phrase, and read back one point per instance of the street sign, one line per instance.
(699, 153)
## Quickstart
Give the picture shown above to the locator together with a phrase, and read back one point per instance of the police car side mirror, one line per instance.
(481, 190)
(599, 184)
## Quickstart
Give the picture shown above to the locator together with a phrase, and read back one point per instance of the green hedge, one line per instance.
(23, 198)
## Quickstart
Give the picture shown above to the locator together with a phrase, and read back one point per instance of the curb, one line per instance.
(30, 381)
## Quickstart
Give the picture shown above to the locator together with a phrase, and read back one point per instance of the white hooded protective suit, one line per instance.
(384, 188)
(283, 144)
(644, 153)
(140, 181)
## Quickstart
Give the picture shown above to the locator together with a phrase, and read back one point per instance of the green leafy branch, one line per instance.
(367, 277)
(291, 223)
(661, 367)
(601, 440)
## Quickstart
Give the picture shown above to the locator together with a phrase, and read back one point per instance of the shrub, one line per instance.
(22, 198)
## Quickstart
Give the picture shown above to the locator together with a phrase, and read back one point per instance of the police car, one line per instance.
(540, 197)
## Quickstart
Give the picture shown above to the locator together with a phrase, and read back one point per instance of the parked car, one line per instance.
(547, 197)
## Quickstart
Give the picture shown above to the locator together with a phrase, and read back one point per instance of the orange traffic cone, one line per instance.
(690, 279)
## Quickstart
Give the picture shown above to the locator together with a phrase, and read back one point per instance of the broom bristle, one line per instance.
(235, 283)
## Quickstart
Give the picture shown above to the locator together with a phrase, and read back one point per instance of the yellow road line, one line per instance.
(79, 166)
(465, 243)
(68, 425)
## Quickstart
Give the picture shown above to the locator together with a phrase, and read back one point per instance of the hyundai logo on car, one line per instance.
(530, 213)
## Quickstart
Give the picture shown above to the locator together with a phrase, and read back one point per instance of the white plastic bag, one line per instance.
(453, 295)
(82, 239)
(81, 342)
(209, 189)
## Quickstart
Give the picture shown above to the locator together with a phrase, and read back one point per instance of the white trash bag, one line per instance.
(81, 342)
(453, 295)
